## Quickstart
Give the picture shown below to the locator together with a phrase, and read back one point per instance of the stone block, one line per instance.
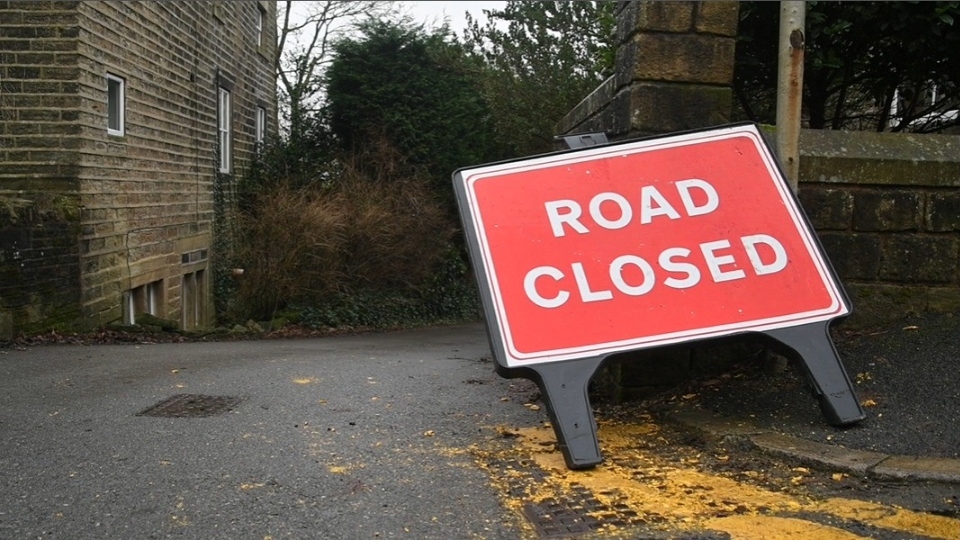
(920, 259)
(590, 107)
(667, 107)
(827, 208)
(622, 113)
(664, 16)
(881, 159)
(701, 59)
(943, 212)
(625, 60)
(876, 304)
(656, 367)
(806, 451)
(626, 17)
(941, 299)
(854, 256)
(719, 18)
(919, 468)
(6, 326)
(888, 210)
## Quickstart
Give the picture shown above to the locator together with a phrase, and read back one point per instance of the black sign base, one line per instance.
(565, 390)
(812, 344)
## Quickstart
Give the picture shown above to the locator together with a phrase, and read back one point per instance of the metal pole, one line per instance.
(790, 87)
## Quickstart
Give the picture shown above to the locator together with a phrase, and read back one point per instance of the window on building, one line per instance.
(193, 291)
(223, 123)
(115, 104)
(143, 299)
(261, 14)
(261, 128)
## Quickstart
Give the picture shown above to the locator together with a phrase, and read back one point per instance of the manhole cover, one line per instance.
(191, 405)
(573, 513)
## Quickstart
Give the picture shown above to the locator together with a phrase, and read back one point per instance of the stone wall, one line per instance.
(139, 206)
(886, 207)
(39, 138)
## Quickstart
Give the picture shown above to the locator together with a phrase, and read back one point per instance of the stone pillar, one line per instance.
(674, 66)
(674, 71)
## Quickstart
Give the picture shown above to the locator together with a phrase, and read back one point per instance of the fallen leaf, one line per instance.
(838, 476)
(869, 403)
(429, 433)
(803, 470)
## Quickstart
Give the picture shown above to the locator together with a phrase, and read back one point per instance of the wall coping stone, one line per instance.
(588, 106)
(883, 159)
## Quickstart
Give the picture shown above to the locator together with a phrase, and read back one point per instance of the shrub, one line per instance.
(358, 229)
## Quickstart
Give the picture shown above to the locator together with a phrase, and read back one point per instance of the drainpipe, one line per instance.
(790, 88)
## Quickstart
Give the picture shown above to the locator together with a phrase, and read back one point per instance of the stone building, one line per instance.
(120, 123)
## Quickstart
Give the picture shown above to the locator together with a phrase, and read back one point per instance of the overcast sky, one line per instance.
(433, 13)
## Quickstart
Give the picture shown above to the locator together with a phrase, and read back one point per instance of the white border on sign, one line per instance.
(515, 358)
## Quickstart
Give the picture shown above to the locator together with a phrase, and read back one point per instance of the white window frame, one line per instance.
(260, 16)
(121, 97)
(261, 124)
(223, 129)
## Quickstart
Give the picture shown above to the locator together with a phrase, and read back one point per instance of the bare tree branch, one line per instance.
(306, 33)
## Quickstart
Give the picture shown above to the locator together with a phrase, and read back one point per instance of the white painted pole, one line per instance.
(790, 87)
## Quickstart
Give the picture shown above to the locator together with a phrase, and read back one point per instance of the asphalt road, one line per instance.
(334, 438)
(397, 435)
(905, 374)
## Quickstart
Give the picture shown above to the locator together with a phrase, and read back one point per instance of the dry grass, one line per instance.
(368, 228)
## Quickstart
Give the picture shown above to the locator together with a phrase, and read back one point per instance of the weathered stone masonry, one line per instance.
(887, 209)
(93, 224)
(674, 69)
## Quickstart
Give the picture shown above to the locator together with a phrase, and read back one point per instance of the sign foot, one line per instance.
(812, 342)
(565, 390)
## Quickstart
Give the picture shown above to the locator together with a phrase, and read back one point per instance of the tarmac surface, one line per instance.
(376, 435)
(343, 437)
(907, 378)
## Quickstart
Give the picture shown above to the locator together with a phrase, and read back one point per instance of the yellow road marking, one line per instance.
(682, 497)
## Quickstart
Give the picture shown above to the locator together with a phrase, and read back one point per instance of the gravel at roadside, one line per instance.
(906, 376)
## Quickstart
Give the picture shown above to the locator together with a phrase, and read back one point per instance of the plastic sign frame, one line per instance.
(641, 244)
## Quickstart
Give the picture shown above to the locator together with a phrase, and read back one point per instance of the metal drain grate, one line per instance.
(191, 406)
(568, 515)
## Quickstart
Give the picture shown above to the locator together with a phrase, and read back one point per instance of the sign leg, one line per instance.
(564, 386)
(812, 342)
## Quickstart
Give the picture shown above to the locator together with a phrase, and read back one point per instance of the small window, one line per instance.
(115, 104)
(193, 299)
(223, 122)
(260, 17)
(143, 299)
(261, 127)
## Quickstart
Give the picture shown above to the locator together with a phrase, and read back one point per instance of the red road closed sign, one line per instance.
(641, 244)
